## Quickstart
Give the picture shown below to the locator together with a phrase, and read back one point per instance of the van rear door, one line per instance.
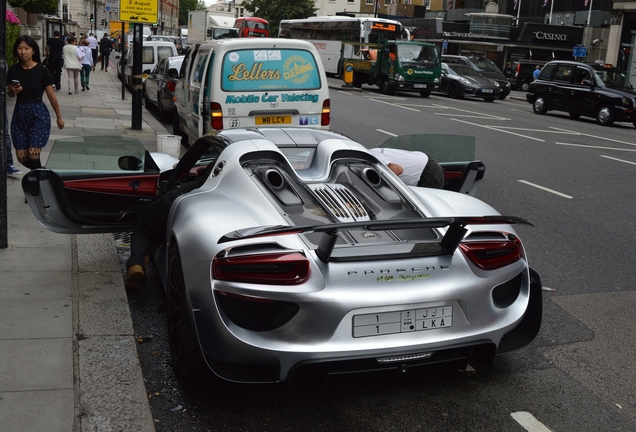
(273, 86)
(196, 108)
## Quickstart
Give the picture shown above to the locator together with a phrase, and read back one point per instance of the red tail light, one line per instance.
(325, 119)
(288, 268)
(490, 255)
(518, 69)
(171, 86)
(216, 113)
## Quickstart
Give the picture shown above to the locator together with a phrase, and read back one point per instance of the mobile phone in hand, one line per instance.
(15, 82)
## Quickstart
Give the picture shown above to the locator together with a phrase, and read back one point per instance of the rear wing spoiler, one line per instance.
(447, 246)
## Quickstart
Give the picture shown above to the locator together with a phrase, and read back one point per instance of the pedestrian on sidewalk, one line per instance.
(11, 169)
(105, 47)
(31, 122)
(92, 44)
(87, 64)
(54, 48)
(72, 63)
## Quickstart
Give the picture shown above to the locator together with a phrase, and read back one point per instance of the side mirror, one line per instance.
(129, 163)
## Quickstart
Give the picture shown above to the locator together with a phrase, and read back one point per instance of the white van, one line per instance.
(153, 51)
(232, 83)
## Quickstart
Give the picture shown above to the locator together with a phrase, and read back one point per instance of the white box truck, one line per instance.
(204, 25)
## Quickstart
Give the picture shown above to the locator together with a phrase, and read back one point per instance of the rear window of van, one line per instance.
(266, 70)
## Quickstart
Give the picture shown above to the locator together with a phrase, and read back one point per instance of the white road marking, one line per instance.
(388, 133)
(348, 93)
(535, 130)
(595, 147)
(596, 137)
(499, 130)
(528, 422)
(395, 105)
(619, 160)
(545, 189)
(477, 114)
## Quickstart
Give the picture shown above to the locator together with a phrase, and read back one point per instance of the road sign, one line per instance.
(139, 11)
(579, 51)
(111, 5)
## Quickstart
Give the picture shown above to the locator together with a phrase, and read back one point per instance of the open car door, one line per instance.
(93, 185)
(455, 153)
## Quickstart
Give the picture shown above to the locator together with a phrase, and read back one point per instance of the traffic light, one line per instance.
(92, 18)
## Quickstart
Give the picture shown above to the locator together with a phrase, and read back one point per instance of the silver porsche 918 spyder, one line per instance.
(302, 249)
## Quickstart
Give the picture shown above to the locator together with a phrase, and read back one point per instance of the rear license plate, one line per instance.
(273, 120)
(487, 90)
(419, 86)
(403, 321)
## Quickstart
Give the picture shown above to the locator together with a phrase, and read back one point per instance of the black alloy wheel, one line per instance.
(187, 360)
(525, 86)
(453, 91)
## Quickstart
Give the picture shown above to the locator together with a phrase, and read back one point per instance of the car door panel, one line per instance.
(87, 189)
(89, 205)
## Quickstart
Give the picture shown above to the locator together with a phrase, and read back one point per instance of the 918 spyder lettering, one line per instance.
(403, 278)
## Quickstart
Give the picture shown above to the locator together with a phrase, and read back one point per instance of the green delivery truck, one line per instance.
(405, 66)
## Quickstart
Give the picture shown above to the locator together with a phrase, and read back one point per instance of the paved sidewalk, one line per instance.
(68, 357)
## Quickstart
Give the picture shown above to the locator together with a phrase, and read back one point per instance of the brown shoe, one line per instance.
(134, 276)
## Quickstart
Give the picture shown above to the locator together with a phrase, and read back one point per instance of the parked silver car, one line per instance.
(160, 84)
(301, 249)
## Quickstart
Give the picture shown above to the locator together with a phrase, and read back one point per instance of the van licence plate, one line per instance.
(272, 120)
(419, 86)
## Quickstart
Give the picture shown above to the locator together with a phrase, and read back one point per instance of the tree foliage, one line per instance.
(276, 10)
(36, 6)
(186, 6)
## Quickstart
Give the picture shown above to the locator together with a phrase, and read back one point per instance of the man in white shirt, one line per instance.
(414, 168)
(92, 44)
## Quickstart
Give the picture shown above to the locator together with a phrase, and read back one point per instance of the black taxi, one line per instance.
(600, 91)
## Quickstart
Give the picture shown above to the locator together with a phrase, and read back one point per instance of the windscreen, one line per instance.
(486, 65)
(375, 30)
(614, 78)
(270, 69)
(408, 53)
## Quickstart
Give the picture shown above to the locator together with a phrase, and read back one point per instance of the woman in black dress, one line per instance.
(31, 122)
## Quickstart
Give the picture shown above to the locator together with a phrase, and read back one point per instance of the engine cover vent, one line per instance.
(340, 202)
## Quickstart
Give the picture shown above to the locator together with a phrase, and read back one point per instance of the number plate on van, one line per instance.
(273, 120)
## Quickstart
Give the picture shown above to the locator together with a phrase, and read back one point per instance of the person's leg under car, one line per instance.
(147, 237)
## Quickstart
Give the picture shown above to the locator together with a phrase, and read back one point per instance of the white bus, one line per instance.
(328, 32)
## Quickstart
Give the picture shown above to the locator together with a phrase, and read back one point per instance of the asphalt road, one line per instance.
(575, 181)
